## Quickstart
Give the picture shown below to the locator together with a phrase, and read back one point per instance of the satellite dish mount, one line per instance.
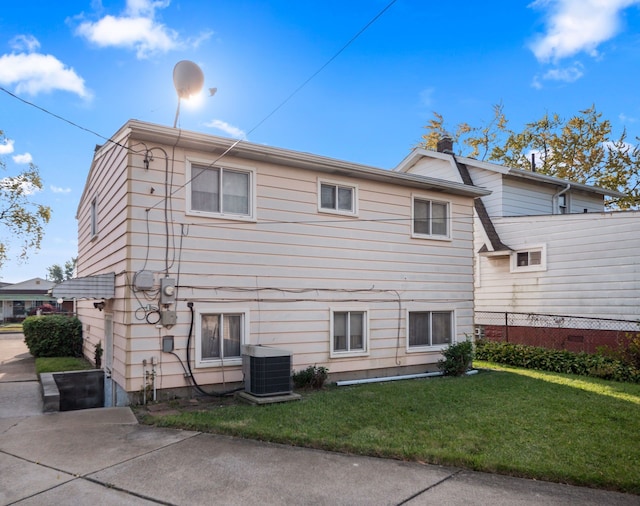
(187, 80)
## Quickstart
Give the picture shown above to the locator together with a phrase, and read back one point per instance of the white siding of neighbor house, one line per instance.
(526, 198)
(592, 267)
(288, 268)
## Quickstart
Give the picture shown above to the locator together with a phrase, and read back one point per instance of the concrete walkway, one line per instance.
(104, 457)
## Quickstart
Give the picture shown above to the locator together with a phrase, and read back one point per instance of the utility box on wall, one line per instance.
(267, 371)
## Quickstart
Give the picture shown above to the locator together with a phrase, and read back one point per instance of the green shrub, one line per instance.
(562, 361)
(311, 377)
(457, 358)
(53, 336)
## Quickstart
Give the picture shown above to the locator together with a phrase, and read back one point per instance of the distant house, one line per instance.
(193, 248)
(18, 299)
(546, 246)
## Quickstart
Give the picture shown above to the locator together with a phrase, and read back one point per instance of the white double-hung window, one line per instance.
(349, 333)
(220, 191)
(430, 219)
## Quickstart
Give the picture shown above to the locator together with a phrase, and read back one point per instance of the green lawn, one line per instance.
(57, 364)
(10, 327)
(541, 425)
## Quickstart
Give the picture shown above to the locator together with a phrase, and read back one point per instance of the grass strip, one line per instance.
(548, 426)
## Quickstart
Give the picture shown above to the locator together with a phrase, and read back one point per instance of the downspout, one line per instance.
(554, 199)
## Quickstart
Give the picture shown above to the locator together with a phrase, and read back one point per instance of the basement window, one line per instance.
(220, 336)
(429, 330)
(349, 333)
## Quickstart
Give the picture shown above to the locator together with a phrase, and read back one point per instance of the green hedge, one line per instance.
(53, 336)
(562, 361)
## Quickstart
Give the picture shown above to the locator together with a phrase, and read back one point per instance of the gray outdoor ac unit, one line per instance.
(267, 371)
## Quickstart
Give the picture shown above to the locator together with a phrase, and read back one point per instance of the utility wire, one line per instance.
(263, 120)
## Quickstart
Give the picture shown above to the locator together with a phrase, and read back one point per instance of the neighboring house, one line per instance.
(192, 246)
(18, 299)
(544, 246)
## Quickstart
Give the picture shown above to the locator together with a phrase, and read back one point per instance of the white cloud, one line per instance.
(136, 29)
(23, 43)
(568, 74)
(575, 26)
(33, 73)
(57, 189)
(23, 159)
(627, 119)
(6, 147)
(226, 128)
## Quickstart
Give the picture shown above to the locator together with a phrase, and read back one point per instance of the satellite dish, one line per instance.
(188, 80)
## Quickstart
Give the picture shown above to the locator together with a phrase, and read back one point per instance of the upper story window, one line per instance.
(532, 259)
(337, 198)
(349, 333)
(94, 217)
(221, 192)
(430, 218)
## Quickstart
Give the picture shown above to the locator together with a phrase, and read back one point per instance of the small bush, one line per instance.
(311, 377)
(457, 359)
(562, 361)
(53, 336)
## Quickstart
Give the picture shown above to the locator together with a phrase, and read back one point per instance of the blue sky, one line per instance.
(98, 64)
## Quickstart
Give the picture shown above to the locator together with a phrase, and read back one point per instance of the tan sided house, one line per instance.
(199, 253)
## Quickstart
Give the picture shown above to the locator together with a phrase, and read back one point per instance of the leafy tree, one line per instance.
(19, 216)
(581, 149)
(58, 274)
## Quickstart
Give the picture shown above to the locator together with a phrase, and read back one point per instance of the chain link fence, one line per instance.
(572, 333)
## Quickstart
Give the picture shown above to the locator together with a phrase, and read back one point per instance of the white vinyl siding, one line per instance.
(288, 269)
(591, 267)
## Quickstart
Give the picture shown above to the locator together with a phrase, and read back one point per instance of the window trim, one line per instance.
(431, 200)
(513, 261)
(207, 164)
(338, 184)
(93, 217)
(333, 353)
(567, 203)
(244, 335)
(430, 348)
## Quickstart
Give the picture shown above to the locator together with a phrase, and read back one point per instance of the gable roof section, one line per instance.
(496, 244)
(34, 285)
(219, 146)
(417, 154)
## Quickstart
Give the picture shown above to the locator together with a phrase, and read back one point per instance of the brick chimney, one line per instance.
(445, 144)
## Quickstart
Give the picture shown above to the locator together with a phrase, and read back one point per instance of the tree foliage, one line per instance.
(581, 149)
(58, 274)
(20, 217)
